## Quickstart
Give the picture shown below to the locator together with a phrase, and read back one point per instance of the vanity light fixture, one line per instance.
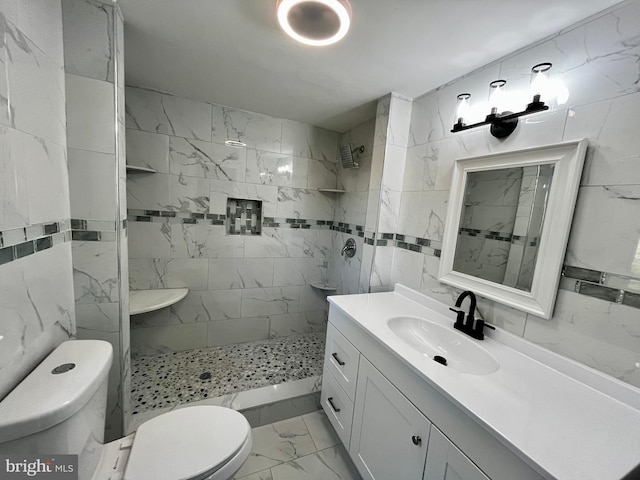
(235, 143)
(314, 22)
(504, 122)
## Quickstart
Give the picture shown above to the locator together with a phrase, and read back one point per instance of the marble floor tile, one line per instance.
(329, 464)
(170, 379)
(322, 433)
(278, 443)
(263, 475)
(308, 460)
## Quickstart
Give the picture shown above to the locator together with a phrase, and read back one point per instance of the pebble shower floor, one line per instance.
(170, 379)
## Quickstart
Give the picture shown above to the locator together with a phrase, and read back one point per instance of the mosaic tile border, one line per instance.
(349, 228)
(171, 217)
(84, 230)
(499, 236)
(303, 223)
(21, 242)
(166, 216)
(605, 286)
(425, 246)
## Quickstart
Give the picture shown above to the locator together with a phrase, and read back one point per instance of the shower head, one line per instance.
(346, 155)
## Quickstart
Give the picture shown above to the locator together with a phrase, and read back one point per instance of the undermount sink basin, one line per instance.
(432, 340)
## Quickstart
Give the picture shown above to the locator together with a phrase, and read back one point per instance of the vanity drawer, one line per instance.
(338, 407)
(341, 359)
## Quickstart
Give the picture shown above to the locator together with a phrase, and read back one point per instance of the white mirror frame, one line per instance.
(568, 159)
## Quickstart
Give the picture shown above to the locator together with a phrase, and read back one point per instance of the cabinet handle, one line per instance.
(335, 357)
(416, 439)
(330, 400)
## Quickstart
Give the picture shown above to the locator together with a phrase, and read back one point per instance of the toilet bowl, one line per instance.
(59, 408)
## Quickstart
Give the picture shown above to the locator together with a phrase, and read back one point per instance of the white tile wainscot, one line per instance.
(539, 415)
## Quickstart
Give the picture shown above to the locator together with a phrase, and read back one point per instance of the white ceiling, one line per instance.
(232, 52)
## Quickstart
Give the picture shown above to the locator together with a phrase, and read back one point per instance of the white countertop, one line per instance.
(533, 403)
(144, 301)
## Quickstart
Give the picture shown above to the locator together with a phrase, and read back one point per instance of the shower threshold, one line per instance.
(267, 380)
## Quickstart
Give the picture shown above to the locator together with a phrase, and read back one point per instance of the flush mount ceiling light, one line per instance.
(314, 22)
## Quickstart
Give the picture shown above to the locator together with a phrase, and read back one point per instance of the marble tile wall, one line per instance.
(597, 60)
(390, 156)
(242, 288)
(94, 66)
(351, 209)
(36, 289)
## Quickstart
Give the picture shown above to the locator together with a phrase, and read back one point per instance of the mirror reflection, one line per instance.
(501, 223)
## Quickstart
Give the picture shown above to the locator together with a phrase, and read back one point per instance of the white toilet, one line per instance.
(59, 408)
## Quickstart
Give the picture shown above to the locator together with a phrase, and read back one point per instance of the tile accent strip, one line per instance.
(21, 242)
(602, 285)
(350, 229)
(499, 236)
(86, 230)
(425, 246)
(20, 235)
(161, 216)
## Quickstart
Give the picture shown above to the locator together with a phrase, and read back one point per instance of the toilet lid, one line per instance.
(188, 443)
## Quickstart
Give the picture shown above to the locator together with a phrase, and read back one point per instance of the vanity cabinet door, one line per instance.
(446, 462)
(390, 436)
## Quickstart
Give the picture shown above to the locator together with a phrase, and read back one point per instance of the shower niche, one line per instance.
(244, 217)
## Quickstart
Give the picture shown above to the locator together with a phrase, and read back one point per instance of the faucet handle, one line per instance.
(459, 316)
(478, 329)
(349, 248)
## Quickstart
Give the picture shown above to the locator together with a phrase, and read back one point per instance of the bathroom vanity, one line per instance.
(501, 409)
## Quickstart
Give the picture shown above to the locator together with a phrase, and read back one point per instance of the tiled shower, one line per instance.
(242, 287)
(253, 232)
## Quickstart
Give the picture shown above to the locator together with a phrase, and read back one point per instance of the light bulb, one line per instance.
(463, 109)
(497, 96)
(540, 81)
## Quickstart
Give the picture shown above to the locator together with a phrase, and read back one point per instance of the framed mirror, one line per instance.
(508, 223)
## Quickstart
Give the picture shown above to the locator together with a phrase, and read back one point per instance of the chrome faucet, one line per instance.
(472, 326)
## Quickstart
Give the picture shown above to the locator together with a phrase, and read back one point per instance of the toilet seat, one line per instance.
(190, 443)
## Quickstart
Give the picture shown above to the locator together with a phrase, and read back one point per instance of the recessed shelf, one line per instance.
(331, 190)
(144, 301)
(134, 169)
(325, 287)
(244, 216)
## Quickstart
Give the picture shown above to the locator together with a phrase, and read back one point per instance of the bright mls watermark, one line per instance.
(49, 467)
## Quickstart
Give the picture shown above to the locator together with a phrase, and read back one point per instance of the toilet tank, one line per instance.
(59, 408)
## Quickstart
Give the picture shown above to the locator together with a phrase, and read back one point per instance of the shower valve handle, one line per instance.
(349, 248)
